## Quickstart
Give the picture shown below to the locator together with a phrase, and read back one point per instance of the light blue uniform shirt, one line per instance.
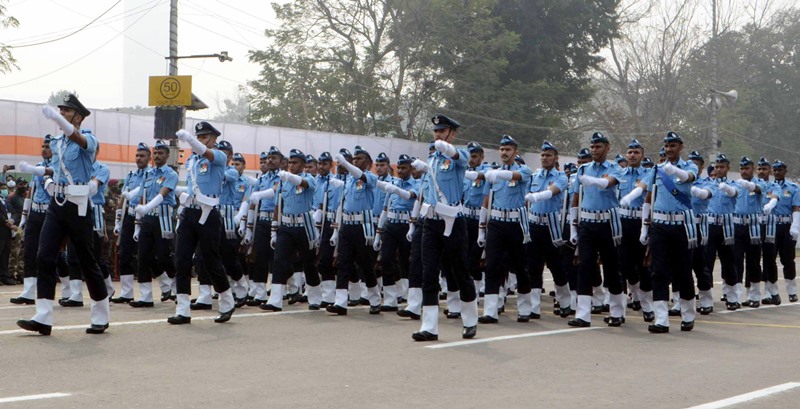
(360, 195)
(594, 198)
(788, 196)
(77, 161)
(720, 203)
(700, 206)
(132, 181)
(41, 196)
(209, 173)
(324, 188)
(101, 173)
(397, 203)
(449, 175)
(473, 189)
(665, 201)
(630, 177)
(269, 180)
(156, 178)
(230, 185)
(510, 194)
(380, 195)
(748, 202)
(298, 199)
(541, 180)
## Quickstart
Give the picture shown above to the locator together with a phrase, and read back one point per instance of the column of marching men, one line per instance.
(614, 234)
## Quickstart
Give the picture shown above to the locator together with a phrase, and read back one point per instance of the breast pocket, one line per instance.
(71, 154)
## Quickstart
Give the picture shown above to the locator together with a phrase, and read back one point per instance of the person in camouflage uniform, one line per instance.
(112, 199)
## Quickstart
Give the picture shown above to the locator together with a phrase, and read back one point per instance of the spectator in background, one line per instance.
(15, 202)
(7, 228)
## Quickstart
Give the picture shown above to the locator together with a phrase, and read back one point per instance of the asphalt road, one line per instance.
(309, 359)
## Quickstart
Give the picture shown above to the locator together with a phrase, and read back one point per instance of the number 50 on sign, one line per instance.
(170, 90)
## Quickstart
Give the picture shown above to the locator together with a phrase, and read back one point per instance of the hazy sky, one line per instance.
(109, 61)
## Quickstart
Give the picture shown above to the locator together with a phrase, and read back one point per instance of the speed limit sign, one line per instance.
(170, 90)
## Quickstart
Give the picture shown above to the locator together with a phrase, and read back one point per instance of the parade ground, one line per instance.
(308, 359)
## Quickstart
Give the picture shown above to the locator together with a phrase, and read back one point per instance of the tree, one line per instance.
(235, 109)
(57, 97)
(7, 61)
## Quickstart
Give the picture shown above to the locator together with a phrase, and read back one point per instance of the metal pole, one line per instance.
(173, 37)
(714, 98)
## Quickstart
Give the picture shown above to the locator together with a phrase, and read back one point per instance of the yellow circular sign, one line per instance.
(170, 88)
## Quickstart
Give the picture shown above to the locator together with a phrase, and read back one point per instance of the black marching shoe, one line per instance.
(314, 307)
(96, 329)
(754, 304)
(388, 308)
(732, 306)
(295, 298)
(225, 316)
(374, 309)
(767, 301)
(469, 332)
(597, 309)
(254, 302)
(614, 321)
(179, 320)
(239, 302)
(657, 329)
(606, 308)
(200, 306)
(424, 336)
(120, 300)
(776, 299)
(451, 315)
(270, 308)
(535, 316)
(487, 319)
(705, 310)
(577, 322)
(523, 318)
(70, 303)
(363, 301)
(746, 303)
(22, 300)
(501, 310)
(724, 298)
(566, 312)
(352, 303)
(325, 304)
(687, 326)
(31, 325)
(408, 314)
(335, 309)
(166, 296)
(636, 305)
(792, 297)
(648, 316)
(141, 304)
(674, 312)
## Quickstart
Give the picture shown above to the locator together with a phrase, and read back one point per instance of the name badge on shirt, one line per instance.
(204, 168)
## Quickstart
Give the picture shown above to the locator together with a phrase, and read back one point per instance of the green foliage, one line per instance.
(7, 61)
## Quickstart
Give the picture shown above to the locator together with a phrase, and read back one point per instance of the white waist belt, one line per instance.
(290, 220)
(744, 219)
(398, 216)
(505, 215)
(42, 208)
(262, 216)
(354, 218)
(537, 219)
(470, 212)
(595, 216)
(669, 218)
(630, 213)
(783, 219)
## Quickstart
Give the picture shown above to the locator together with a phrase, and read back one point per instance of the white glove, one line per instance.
(646, 213)
(50, 187)
(197, 146)
(376, 244)
(643, 235)
(242, 212)
(141, 210)
(26, 168)
(384, 186)
(750, 186)
(336, 183)
(490, 176)
(505, 175)
(92, 187)
(770, 205)
(794, 231)
(727, 189)
(546, 194)
(699, 193)
(290, 177)
(274, 236)
(283, 175)
(242, 228)
(396, 190)
(263, 194)
(591, 181)
(118, 222)
(573, 234)
(334, 238)
(53, 115)
(419, 165)
(248, 236)
(130, 194)
(481, 237)
(410, 234)
(471, 175)
(445, 148)
(23, 220)
(631, 196)
(352, 169)
(136, 230)
(317, 217)
(671, 170)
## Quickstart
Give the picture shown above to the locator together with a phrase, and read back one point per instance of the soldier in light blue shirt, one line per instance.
(474, 181)
(700, 208)
(201, 222)
(69, 216)
(326, 202)
(721, 195)
(631, 252)
(668, 227)
(293, 232)
(594, 215)
(784, 208)
(547, 195)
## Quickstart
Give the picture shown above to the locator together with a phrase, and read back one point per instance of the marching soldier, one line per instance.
(201, 222)
(631, 251)
(33, 215)
(126, 223)
(785, 207)
(721, 196)
(567, 250)
(600, 230)
(354, 232)
(327, 198)
(474, 181)
(747, 230)
(292, 232)
(235, 187)
(69, 215)
(156, 231)
(416, 221)
(312, 165)
(668, 227)
(700, 208)
(445, 232)
(547, 190)
(392, 229)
